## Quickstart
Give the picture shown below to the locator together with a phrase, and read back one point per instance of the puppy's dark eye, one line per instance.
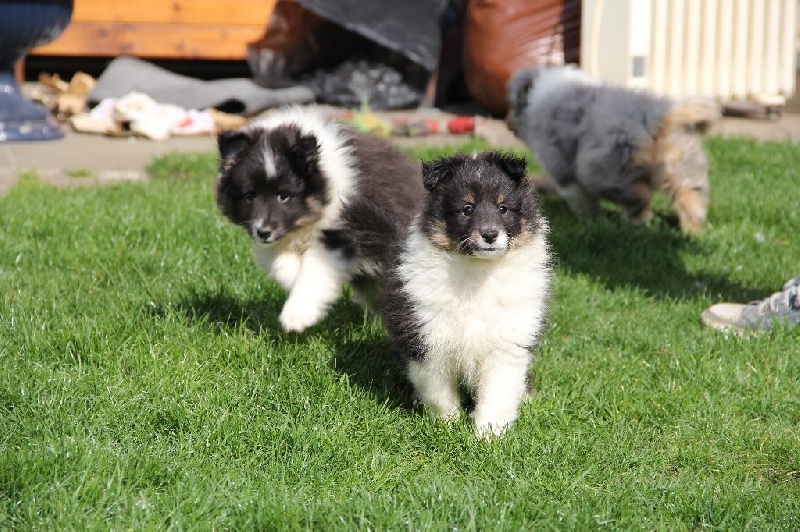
(249, 196)
(283, 198)
(467, 210)
(502, 208)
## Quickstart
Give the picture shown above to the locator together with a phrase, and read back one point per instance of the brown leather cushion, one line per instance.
(503, 36)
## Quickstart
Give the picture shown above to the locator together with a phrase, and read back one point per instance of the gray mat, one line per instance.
(239, 95)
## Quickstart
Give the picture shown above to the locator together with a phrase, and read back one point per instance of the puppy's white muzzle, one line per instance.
(491, 250)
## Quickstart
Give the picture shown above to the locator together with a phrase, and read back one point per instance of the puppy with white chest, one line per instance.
(466, 289)
(599, 141)
(288, 180)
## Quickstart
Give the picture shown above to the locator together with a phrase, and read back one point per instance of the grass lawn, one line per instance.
(145, 382)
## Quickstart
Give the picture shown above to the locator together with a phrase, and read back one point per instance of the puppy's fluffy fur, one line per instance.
(288, 180)
(597, 141)
(466, 287)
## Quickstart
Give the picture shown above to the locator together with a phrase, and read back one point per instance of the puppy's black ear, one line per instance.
(232, 142)
(440, 170)
(304, 154)
(515, 167)
(519, 87)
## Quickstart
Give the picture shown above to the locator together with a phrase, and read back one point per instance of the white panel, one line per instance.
(772, 44)
(740, 60)
(658, 55)
(755, 63)
(589, 40)
(675, 49)
(605, 39)
(724, 46)
(787, 64)
(709, 50)
(639, 39)
(728, 49)
(692, 53)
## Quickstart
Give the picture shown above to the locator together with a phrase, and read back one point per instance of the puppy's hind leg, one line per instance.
(636, 203)
(317, 285)
(366, 292)
(578, 199)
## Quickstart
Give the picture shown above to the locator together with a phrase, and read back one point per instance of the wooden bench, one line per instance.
(165, 29)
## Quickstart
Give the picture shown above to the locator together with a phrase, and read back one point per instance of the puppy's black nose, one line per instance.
(263, 234)
(489, 235)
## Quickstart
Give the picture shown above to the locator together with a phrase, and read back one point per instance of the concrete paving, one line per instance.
(80, 159)
(83, 158)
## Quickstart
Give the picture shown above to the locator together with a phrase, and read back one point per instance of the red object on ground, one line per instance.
(433, 126)
(461, 124)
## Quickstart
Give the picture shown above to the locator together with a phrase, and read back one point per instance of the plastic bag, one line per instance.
(354, 82)
(349, 51)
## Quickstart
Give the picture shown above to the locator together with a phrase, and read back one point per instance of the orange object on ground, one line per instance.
(433, 126)
(461, 124)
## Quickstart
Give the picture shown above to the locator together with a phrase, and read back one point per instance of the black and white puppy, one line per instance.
(466, 290)
(288, 180)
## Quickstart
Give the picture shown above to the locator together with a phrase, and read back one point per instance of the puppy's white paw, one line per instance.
(447, 414)
(488, 429)
(490, 424)
(298, 316)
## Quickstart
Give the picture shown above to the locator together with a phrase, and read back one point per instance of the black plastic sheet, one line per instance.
(409, 27)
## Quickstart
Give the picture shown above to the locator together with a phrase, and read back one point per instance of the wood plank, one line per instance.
(19, 71)
(235, 12)
(153, 40)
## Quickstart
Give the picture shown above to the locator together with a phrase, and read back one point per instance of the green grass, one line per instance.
(79, 172)
(145, 384)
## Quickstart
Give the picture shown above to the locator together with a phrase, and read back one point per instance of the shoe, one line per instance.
(783, 306)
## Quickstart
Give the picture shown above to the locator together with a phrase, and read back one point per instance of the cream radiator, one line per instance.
(732, 50)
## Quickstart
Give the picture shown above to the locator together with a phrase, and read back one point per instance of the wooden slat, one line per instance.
(19, 71)
(154, 40)
(234, 12)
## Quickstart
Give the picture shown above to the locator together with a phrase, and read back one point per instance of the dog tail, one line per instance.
(693, 115)
(376, 232)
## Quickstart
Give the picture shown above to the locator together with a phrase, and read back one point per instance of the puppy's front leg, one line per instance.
(502, 386)
(317, 285)
(437, 390)
(285, 268)
(578, 199)
(282, 266)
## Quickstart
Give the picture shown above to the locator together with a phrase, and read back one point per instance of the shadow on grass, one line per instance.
(360, 349)
(226, 313)
(621, 255)
(362, 352)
